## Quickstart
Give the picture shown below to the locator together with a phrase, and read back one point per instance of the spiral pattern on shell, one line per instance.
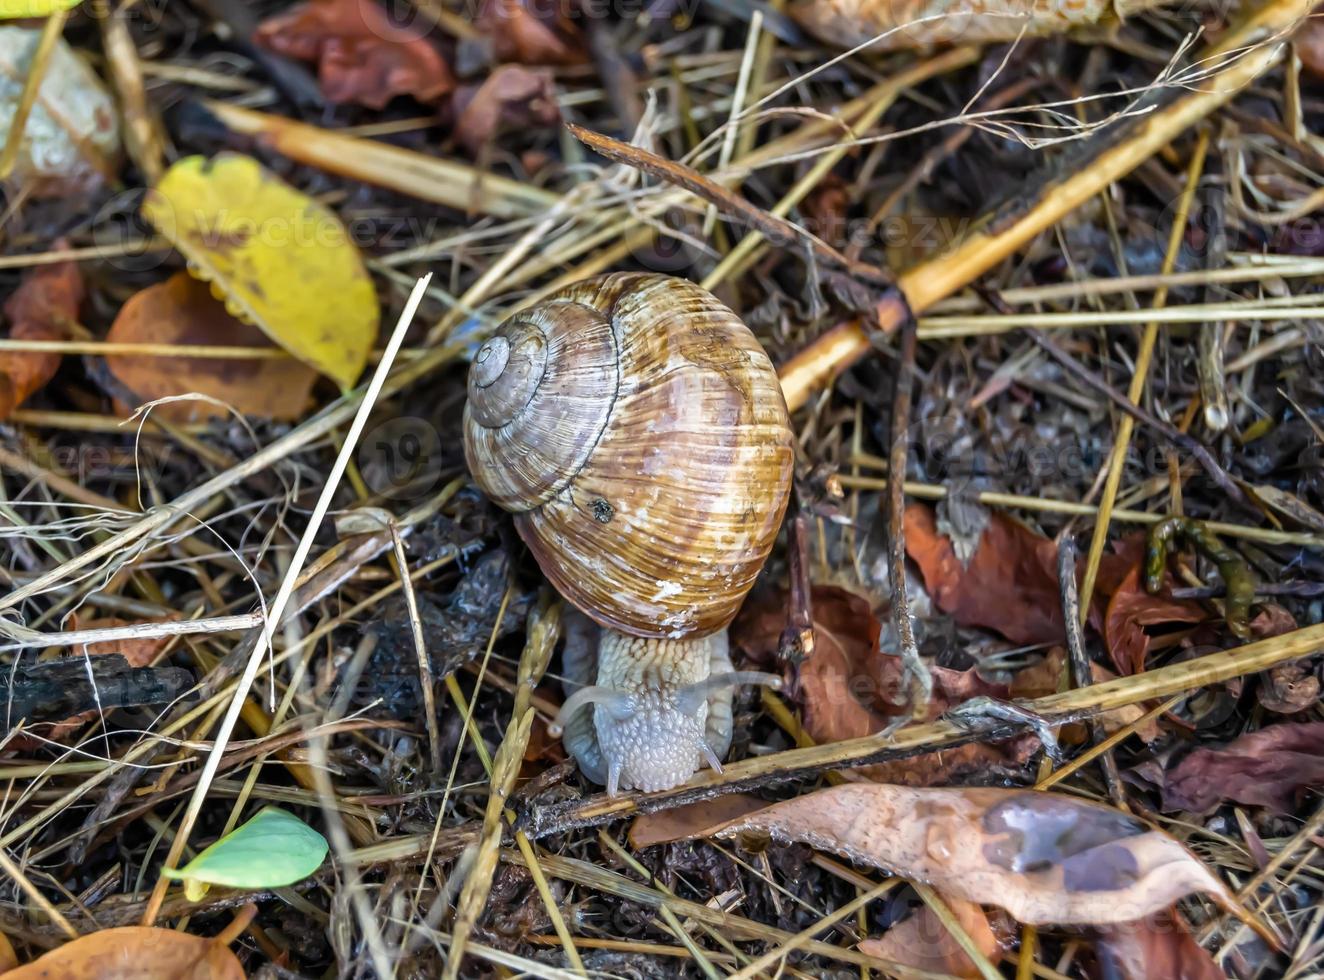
(637, 430)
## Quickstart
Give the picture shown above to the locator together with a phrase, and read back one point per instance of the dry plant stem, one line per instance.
(18, 123)
(1133, 408)
(543, 631)
(344, 851)
(797, 639)
(939, 908)
(923, 285)
(283, 596)
(882, 97)
(1108, 744)
(1235, 273)
(918, 739)
(425, 679)
(18, 463)
(34, 894)
(920, 681)
(26, 638)
(728, 202)
(330, 418)
(1025, 964)
(141, 136)
(428, 178)
(1211, 359)
(796, 942)
(498, 272)
(678, 928)
(1122, 442)
(1307, 835)
(734, 926)
(1080, 663)
(930, 491)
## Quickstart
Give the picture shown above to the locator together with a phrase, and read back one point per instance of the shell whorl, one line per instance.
(541, 390)
(637, 431)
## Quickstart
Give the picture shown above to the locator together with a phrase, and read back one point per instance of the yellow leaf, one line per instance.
(274, 255)
(13, 9)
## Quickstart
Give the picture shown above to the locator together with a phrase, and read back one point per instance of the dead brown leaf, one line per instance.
(690, 820)
(138, 652)
(1265, 768)
(42, 307)
(1309, 43)
(1043, 857)
(512, 97)
(140, 953)
(1118, 718)
(924, 943)
(850, 687)
(182, 310)
(361, 55)
(892, 25)
(531, 33)
(1131, 609)
(1009, 585)
(1159, 946)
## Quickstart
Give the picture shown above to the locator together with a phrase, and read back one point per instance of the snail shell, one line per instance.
(637, 430)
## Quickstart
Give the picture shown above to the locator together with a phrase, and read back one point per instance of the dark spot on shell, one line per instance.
(602, 511)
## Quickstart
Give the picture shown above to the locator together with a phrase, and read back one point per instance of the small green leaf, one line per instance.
(272, 850)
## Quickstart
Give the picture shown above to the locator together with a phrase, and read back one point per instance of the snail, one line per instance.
(637, 432)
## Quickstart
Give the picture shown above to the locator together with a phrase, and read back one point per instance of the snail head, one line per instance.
(654, 739)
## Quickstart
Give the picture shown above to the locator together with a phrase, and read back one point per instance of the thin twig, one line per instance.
(1080, 662)
(1168, 431)
(920, 680)
(283, 596)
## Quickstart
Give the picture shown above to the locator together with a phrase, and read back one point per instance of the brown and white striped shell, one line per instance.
(637, 430)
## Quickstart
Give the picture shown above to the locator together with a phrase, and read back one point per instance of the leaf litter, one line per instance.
(297, 254)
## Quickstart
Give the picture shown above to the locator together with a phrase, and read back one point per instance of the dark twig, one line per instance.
(1167, 431)
(1080, 663)
(797, 639)
(1302, 590)
(920, 681)
(731, 204)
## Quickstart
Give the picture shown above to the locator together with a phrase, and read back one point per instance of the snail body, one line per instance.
(637, 431)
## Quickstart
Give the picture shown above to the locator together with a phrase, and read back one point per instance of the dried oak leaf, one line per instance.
(1042, 857)
(1265, 768)
(45, 302)
(361, 55)
(1131, 609)
(136, 953)
(531, 33)
(891, 25)
(1009, 584)
(924, 943)
(690, 819)
(1309, 43)
(849, 687)
(182, 310)
(1159, 946)
(512, 97)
